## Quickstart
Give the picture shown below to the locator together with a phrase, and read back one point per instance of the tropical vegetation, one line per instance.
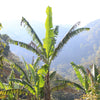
(46, 50)
(90, 80)
(33, 81)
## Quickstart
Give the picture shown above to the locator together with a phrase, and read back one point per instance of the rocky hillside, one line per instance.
(5, 72)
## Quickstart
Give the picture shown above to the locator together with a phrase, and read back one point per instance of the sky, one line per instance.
(64, 11)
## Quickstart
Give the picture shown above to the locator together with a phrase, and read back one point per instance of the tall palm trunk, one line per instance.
(47, 88)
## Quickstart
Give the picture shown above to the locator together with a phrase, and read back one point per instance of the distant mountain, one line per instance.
(82, 49)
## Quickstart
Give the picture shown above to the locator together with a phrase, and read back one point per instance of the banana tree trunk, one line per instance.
(47, 88)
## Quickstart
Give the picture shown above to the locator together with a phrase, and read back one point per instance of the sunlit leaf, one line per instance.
(32, 32)
(41, 81)
(49, 40)
(25, 84)
(78, 73)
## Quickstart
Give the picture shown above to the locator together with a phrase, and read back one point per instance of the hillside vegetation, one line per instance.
(39, 80)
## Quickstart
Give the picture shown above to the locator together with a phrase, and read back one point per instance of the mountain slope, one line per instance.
(6, 69)
(82, 49)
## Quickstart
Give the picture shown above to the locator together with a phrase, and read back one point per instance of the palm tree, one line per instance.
(46, 50)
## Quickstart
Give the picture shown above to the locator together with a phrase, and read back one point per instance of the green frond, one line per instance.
(74, 27)
(33, 69)
(98, 78)
(25, 84)
(81, 68)
(2, 86)
(82, 75)
(70, 83)
(67, 37)
(17, 67)
(11, 74)
(64, 84)
(49, 40)
(43, 70)
(79, 73)
(28, 47)
(36, 62)
(23, 73)
(8, 61)
(56, 30)
(90, 76)
(85, 77)
(52, 75)
(12, 91)
(41, 81)
(33, 72)
(27, 71)
(25, 64)
(32, 32)
(24, 45)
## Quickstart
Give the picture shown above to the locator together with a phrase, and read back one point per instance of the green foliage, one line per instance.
(2, 86)
(31, 81)
(89, 79)
(7, 90)
(80, 72)
(32, 32)
(52, 75)
(12, 91)
(49, 40)
(33, 78)
(19, 69)
(98, 78)
(2, 46)
(46, 51)
(24, 84)
(64, 84)
(43, 70)
(1, 55)
(24, 45)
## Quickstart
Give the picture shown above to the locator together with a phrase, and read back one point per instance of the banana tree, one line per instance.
(8, 90)
(46, 50)
(32, 78)
(31, 81)
(90, 80)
